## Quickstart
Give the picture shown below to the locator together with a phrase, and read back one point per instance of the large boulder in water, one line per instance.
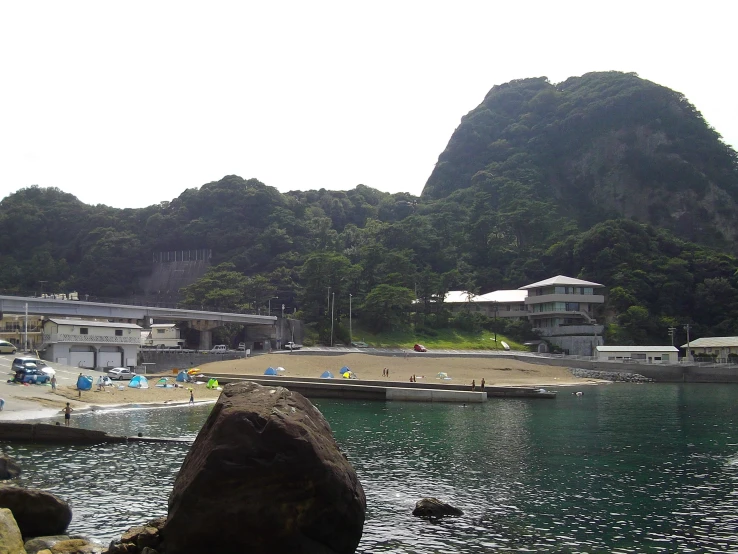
(38, 513)
(432, 508)
(265, 475)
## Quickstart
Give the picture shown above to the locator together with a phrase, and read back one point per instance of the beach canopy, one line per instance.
(270, 371)
(326, 375)
(139, 382)
(212, 384)
(344, 369)
(84, 382)
(442, 375)
(280, 369)
(162, 382)
(193, 371)
(182, 377)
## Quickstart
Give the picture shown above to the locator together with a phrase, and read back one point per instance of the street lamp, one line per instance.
(270, 303)
(332, 307)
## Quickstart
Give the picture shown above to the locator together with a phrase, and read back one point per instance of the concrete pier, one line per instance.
(60, 434)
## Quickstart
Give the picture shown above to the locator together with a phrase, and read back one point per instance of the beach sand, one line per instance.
(495, 371)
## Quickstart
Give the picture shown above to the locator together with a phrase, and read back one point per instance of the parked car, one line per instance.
(291, 346)
(7, 347)
(27, 362)
(360, 344)
(219, 349)
(120, 373)
(241, 346)
(420, 348)
(32, 376)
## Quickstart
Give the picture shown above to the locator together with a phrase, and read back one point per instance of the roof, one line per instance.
(88, 323)
(711, 342)
(163, 325)
(456, 296)
(637, 349)
(503, 296)
(561, 280)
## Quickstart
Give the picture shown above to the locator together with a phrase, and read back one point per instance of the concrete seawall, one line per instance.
(661, 373)
(355, 389)
(46, 433)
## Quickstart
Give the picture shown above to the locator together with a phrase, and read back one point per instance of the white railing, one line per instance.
(64, 337)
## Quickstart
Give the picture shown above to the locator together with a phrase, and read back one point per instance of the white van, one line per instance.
(219, 349)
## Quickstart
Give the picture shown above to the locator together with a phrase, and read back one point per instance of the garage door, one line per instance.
(110, 359)
(82, 359)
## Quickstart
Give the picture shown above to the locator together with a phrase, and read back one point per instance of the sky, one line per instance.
(128, 104)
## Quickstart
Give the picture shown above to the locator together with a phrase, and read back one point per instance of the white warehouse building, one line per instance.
(91, 344)
(648, 354)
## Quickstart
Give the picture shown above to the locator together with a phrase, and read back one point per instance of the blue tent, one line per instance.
(139, 382)
(84, 382)
(182, 377)
(271, 371)
(326, 375)
(344, 369)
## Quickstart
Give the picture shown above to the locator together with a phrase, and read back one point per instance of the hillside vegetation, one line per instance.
(605, 177)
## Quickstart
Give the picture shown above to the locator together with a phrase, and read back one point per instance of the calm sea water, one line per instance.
(625, 468)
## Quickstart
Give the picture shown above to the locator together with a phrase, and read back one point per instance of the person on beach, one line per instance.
(2, 404)
(474, 385)
(192, 398)
(53, 382)
(67, 414)
(481, 385)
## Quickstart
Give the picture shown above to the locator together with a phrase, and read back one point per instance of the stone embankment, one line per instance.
(614, 376)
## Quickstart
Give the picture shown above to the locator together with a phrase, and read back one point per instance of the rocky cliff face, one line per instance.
(604, 145)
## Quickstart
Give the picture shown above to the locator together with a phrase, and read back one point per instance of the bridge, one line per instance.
(203, 321)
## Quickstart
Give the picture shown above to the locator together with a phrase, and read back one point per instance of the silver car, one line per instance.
(120, 373)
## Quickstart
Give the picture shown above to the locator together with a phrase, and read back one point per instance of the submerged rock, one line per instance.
(433, 508)
(8, 468)
(11, 541)
(38, 544)
(38, 513)
(265, 475)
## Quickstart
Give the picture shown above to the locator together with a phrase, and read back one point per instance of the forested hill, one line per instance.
(540, 180)
(595, 147)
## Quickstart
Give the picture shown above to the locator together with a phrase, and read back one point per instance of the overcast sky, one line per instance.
(130, 103)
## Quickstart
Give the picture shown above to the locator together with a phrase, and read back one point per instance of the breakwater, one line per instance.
(60, 434)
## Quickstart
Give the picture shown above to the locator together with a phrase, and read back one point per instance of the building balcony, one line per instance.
(96, 339)
(570, 330)
(581, 298)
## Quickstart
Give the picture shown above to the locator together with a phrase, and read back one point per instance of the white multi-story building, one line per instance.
(562, 308)
(91, 344)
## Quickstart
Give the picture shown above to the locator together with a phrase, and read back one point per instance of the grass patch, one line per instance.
(435, 339)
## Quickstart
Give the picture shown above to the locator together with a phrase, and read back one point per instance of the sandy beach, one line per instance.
(496, 371)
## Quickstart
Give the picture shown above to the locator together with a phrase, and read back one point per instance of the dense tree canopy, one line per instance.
(605, 177)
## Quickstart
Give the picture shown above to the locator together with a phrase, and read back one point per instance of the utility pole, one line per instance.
(25, 333)
(672, 330)
(332, 308)
(688, 351)
(351, 334)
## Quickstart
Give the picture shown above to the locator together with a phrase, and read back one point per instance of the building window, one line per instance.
(119, 332)
(84, 331)
(637, 356)
(160, 331)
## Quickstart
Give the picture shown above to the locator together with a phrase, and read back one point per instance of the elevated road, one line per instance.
(75, 308)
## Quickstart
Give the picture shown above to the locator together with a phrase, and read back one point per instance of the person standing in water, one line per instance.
(67, 414)
(192, 398)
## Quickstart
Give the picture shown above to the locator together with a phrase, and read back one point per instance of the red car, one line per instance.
(420, 348)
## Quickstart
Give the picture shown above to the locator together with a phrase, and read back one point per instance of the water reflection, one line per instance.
(625, 468)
